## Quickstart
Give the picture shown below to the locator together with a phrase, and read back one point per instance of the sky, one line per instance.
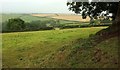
(34, 6)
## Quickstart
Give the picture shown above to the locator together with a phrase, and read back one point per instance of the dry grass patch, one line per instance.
(64, 17)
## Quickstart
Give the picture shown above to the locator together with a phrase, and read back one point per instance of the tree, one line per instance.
(95, 9)
(15, 24)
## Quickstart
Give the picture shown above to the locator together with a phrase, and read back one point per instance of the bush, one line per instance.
(105, 21)
(38, 25)
(4, 27)
(15, 24)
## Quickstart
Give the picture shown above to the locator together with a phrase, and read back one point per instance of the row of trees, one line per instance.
(17, 24)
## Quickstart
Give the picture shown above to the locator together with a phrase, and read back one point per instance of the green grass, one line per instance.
(103, 55)
(53, 48)
(29, 18)
(25, 17)
(33, 49)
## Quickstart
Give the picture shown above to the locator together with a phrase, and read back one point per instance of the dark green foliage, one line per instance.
(15, 24)
(70, 26)
(4, 27)
(106, 21)
(37, 25)
(42, 25)
(93, 9)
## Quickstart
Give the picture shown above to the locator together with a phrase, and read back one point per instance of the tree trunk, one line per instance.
(113, 30)
(118, 14)
(116, 22)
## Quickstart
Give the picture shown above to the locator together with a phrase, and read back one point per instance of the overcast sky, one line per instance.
(34, 6)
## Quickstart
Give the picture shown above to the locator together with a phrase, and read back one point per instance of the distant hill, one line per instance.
(72, 17)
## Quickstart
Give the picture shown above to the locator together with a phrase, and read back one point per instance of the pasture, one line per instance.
(33, 49)
(31, 17)
(60, 48)
(25, 17)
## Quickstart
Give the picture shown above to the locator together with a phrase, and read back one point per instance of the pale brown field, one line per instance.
(64, 17)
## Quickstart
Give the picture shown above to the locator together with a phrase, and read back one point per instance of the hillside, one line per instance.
(71, 17)
(25, 17)
(56, 48)
(30, 18)
(43, 17)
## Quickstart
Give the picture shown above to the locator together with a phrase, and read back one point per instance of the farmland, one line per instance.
(34, 46)
(36, 23)
(56, 48)
(25, 17)
(45, 48)
(71, 17)
(32, 17)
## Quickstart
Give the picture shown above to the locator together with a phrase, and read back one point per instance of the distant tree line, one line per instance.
(18, 25)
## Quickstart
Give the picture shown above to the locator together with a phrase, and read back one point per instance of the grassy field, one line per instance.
(25, 17)
(56, 48)
(29, 18)
(51, 49)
